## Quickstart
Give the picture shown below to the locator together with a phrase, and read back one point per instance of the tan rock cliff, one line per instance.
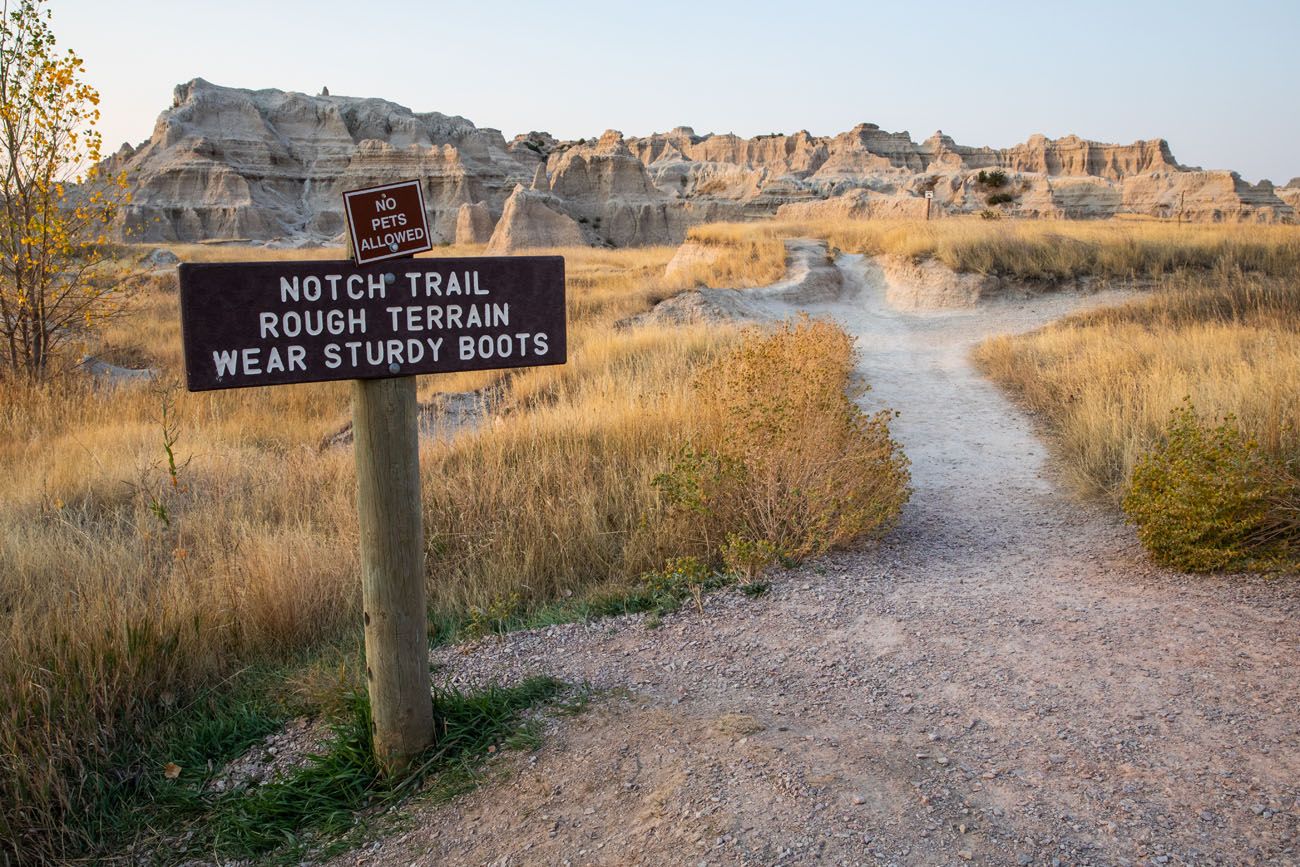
(267, 164)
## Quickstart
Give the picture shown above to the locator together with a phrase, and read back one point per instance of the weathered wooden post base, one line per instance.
(386, 441)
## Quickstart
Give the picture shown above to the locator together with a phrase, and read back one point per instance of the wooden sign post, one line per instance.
(381, 223)
(378, 321)
(385, 435)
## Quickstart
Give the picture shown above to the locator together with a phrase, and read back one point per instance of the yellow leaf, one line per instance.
(171, 770)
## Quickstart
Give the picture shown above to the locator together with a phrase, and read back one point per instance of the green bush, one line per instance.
(1001, 198)
(1209, 498)
(994, 179)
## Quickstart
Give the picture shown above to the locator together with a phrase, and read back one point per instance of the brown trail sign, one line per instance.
(377, 324)
(274, 323)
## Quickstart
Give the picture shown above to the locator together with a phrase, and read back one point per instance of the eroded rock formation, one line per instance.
(535, 219)
(229, 163)
(224, 163)
(474, 224)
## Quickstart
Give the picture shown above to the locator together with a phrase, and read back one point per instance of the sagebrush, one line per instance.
(1208, 497)
(784, 455)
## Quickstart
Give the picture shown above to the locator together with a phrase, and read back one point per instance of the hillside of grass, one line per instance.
(162, 551)
(1145, 384)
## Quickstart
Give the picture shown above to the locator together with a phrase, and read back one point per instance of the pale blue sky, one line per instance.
(1220, 81)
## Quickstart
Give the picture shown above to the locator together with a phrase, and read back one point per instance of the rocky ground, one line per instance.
(1005, 680)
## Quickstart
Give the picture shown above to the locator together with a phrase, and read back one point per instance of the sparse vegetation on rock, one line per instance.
(995, 179)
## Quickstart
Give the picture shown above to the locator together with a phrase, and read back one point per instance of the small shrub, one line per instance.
(785, 458)
(988, 214)
(494, 618)
(995, 179)
(681, 578)
(677, 577)
(747, 559)
(1208, 498)
(1001, 198)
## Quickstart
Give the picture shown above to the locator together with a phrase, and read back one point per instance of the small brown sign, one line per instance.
(387, 222)
(276, 323)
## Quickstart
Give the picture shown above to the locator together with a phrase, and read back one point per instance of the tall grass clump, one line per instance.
(132, 587)
(731, 256)
(1108, 383)
(686, 438)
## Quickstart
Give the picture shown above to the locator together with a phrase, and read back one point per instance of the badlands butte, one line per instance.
(270, 165)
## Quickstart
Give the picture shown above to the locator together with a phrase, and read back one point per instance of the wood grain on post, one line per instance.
(392, 567)
(386, 439)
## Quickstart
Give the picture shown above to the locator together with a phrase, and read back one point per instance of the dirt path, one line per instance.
(1004, 681)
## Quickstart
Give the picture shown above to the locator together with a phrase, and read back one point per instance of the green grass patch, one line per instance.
(125, 794)
(324, 806)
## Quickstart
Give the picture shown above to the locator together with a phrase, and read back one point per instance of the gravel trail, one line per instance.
(1005, 680)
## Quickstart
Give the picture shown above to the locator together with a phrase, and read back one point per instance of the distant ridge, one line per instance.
(270, 165)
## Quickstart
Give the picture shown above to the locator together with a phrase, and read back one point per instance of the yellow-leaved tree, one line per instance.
(56, 203)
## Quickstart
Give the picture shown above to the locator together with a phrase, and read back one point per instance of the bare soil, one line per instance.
(1005, 680)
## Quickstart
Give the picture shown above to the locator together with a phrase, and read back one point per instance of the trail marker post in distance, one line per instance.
(377, 321)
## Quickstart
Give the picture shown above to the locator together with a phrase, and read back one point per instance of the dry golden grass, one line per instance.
(127, 585)
(122, 589)
(736, 256)
(1107, 381)
(558, 500)
(107, 606)
(1029, 250)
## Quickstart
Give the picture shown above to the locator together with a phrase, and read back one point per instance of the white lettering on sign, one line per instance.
(431, 283)
(322, 305)
(380, 242)
(332, 287)
(502, 346)
(387, 221)
(433, 316)
(291, 323)
(237, 362)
